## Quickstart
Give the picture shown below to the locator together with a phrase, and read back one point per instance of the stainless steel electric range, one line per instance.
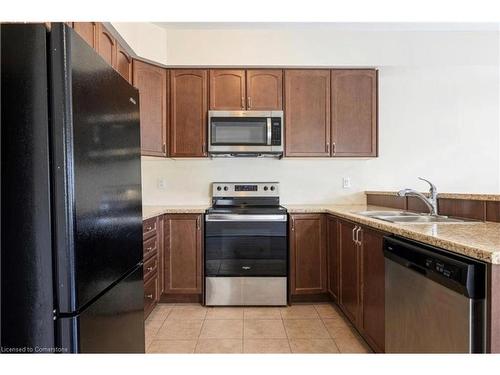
(246, 245)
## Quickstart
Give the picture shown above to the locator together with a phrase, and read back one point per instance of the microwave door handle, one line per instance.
(269, 131)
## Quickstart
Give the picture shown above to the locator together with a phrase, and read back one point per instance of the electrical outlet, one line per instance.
(161, 183)
(346, 182)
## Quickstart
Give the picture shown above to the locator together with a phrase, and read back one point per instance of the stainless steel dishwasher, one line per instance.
(434, 300)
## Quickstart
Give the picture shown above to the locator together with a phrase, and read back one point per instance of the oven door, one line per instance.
(245, 248)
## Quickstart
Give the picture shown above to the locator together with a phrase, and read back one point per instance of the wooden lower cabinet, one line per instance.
(182, 263)
(150, 295)
(308, 261)
(332, 257)
(350, 292)
(373, 287)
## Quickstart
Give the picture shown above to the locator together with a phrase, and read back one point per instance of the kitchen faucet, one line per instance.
(430, 202)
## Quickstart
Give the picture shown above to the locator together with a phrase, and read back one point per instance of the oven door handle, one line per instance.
(236, 217)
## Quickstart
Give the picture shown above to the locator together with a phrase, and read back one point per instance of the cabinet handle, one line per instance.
(333, 148)
(293, 224)
(148, 296)
(242, 102)
(203, 148)
(164, 147)
(149, 228)
(358, 230)
(359, 235)
(327, 147)
(249, 101)
(198, 223)
(353, 231)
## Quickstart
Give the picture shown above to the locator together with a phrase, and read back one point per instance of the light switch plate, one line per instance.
(346, 182)
(161, 183)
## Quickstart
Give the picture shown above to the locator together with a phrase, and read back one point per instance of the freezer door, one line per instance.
(114, 323)
(96, 171)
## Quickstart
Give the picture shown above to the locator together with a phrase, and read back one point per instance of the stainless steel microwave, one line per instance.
(245, 133)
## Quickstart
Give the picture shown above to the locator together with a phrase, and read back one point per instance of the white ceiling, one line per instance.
(350, 26)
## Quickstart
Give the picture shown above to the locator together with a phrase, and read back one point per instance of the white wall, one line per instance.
(146, 39)
(438, 110)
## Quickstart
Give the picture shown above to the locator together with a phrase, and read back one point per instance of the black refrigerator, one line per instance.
(71, 208)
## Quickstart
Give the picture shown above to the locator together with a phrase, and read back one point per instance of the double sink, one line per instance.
(411, 217)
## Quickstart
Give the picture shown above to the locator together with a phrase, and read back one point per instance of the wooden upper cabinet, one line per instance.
(188, 109)
(307, 112)
(349, 271)
(151, 81)
(106, 45)
(354, 112)
(264, 89)
(308, 254)
(227, 89)
(123, 63)
(332, 257)
(373, 287)
(183, 254)
(88, 31)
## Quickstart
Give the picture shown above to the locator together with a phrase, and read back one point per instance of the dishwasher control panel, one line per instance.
(447, 270)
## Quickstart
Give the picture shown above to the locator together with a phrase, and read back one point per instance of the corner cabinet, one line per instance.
(332, 257)
(307, 112)
(183, 249)
(188, 111)
(308, 260)
(151, 81)
(106, 45)
(354, 112)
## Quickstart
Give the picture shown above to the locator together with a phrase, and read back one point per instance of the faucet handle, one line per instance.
(433, 189)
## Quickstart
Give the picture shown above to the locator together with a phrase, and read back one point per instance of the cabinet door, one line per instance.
(332, 257)
(354, 112)
(227, 89)
(349, 271)
(88, 31)
(106, 45)
(308, 254)
(264, 89)
(183, 249)
(373, 287)
(307, 113)
(188, 108)
(123, 63)
(151, 81)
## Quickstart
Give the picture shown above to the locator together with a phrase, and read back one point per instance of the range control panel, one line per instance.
(245, 189)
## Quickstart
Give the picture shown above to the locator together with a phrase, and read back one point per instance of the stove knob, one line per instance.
(273, 188)
(265, 188)
(226, 188)
(219, 188)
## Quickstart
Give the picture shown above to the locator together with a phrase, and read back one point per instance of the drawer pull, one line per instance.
(149, 269)
(148, 296)
(149, 228)
(149, 249)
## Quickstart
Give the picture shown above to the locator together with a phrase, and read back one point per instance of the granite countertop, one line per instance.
(466, 196)
(479, 240)
(152, 211)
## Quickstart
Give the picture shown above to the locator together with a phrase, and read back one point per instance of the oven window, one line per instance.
(246, 249)
(238, 131)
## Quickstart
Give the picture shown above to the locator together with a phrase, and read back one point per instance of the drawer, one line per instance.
(150, 248)
(149, 227)
(150, 267)
(150, 295)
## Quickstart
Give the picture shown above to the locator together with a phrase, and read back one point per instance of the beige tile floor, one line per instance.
(305, 328)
